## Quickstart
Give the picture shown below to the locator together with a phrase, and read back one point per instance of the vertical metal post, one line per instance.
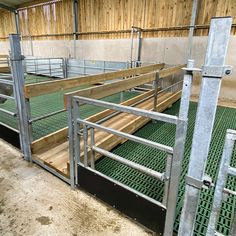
(233, 228)
(75, 23)
(50, 68)
(92, 140)
(74, 139)
(180, 137)
(221, 180)
(17, 22)
(139, 47)
(155, 85)
(132, 47)
(19, 80)
(85, 132)
(30, 127)
(71, 141)
(210, 87)
(31, 46)
(169, 158)
(192, 26)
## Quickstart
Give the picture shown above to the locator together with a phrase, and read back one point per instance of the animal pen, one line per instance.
(127, 135)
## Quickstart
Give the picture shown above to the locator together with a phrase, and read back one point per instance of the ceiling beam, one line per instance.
(12, 9)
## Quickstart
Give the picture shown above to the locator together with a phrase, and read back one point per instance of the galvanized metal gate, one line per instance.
(158, 216)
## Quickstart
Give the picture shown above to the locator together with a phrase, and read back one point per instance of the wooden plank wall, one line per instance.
(114, 15)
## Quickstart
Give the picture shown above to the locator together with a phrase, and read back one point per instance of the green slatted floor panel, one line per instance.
(154, 159)
(48, 103)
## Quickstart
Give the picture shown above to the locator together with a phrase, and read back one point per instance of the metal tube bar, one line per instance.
(77, 138)
(92, 141)
(233, 223)
(145, 170)
(7, 97)
(132, 110)
(46, 116)
(180, 137)
(215, 56)
(192, 26)
(8, 112)
(132, 47)
(137, 139)
(156, 83)
(19, 80)
(126, 187)
(4, 81)
(221, 181)
(169, 159)
(171, 86)
(232, 171)
(85, 136)
(229, 191)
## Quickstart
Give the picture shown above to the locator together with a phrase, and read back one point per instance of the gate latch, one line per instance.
(205, 183)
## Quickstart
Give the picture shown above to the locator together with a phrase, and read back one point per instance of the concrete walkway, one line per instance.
(34, 202)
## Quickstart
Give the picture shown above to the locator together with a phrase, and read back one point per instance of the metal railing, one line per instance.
(6, 80)
(52, 67)
(75, 67)
(174, 155)
(224, 170)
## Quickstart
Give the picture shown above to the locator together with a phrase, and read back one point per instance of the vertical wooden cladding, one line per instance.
(211, 8)
(53, 18)
(106, 15)
(7, 24)
(111, 15)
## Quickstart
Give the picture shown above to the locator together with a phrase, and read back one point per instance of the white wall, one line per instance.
(169, 50)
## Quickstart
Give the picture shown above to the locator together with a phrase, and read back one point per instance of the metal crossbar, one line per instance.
(132, 110)
(174, 155)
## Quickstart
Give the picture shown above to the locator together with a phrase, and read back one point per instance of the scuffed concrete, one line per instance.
(33, 203)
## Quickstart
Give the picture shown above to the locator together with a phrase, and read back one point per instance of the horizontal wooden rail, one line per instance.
(37, 89)
(119, 86)
(61, 135)
(3, 56)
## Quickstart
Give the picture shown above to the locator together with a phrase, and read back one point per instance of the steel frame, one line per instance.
(224, 170)
(212, 73)
(174, 155)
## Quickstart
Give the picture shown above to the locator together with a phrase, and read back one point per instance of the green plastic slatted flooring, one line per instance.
(48, 103)
(154, 159)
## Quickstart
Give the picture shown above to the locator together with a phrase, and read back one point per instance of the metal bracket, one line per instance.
(216, 71)
(193, 69)
(20, 58)
(206, 182)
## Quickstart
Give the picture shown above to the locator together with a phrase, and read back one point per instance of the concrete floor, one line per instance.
(34, 202)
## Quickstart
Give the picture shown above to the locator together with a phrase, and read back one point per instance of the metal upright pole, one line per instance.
(132, 47)
(19, 80)
(139, 46)
(176, 162)
(75, 23)
(191, 30)
(17, 22)
(212, 72)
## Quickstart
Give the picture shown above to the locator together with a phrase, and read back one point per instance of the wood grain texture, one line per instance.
(114, 15)
(57, 157)
(37, 89)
